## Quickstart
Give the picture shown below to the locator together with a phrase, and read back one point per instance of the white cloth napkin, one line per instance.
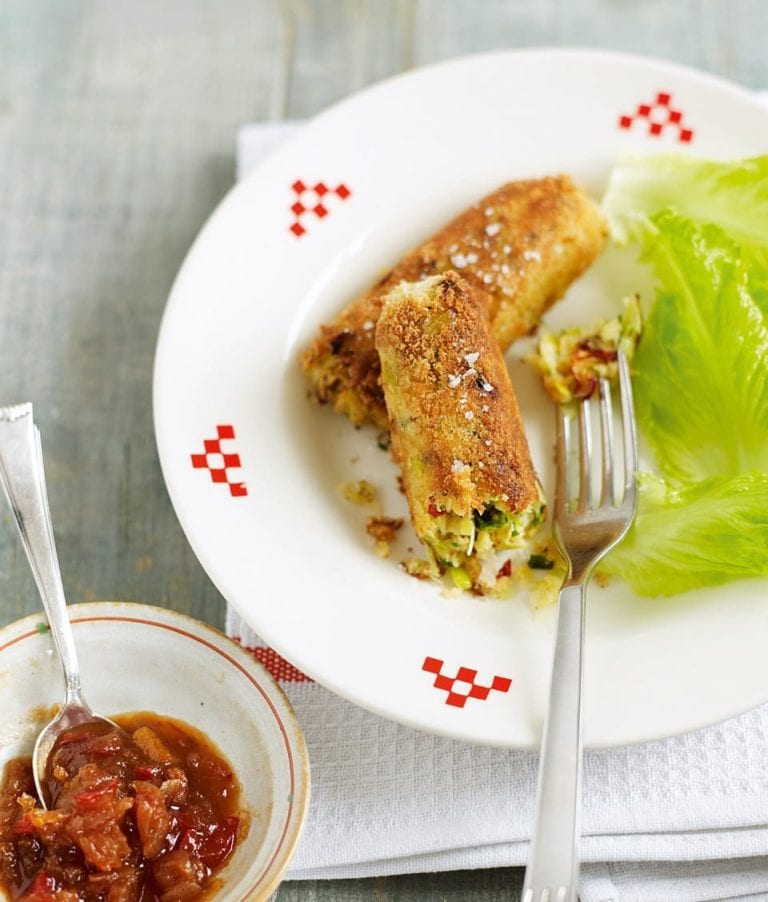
(679, 820)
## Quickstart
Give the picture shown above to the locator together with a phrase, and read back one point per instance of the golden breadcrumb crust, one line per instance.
(456, 428)
(519, 248)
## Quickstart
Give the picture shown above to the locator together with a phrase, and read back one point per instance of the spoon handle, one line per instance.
(23, 478)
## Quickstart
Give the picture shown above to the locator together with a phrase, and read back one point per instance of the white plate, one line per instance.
(137, 658)
(278, 539)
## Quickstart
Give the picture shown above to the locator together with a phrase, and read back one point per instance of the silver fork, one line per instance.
(584, 535)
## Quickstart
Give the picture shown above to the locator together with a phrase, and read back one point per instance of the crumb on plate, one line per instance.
(359, 492)
(383, 530)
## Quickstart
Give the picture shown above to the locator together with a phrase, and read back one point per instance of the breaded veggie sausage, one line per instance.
(456, 428)
(519, 248)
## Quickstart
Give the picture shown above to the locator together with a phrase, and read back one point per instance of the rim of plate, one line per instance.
(196, 536)
(257, 675)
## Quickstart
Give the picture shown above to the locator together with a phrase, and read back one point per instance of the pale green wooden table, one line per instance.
(117, 124)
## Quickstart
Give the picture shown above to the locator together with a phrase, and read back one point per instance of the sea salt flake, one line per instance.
(492, 229)
(472, 358)
(487, 279)
(486, 386)
(368, 325)
(507, 249)
(469, 415)
(531, 255)
(453, 381)
(471, 258)
(489, 211)
(459, 260)
(458, 466)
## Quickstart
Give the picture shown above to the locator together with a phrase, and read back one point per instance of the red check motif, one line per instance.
(463, 685)
(276, 664)
(219, 462)
(313, 199)
(659, 116)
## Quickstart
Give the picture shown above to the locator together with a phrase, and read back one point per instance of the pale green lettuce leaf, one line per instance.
(732, 195)
(701, 371)
(756, 263)
(702, 535)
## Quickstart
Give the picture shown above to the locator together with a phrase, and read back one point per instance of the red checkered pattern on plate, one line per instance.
(219, 462)
(463, 685)
(313, 199)
(659, 116)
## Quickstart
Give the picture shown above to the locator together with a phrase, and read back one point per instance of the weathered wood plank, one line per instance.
(116, 141)
(500, 885)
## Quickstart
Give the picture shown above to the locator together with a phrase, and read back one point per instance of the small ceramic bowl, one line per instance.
(139, 658)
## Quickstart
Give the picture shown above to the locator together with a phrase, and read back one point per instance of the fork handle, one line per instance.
(554, 857)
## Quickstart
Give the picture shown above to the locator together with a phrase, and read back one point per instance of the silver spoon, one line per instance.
(23, 478)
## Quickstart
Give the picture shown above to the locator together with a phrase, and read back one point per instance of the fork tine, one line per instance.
(585, 457)
(561, 462)
(630, 434)
(606, 431)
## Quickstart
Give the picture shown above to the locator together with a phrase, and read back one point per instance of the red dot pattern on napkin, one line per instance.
(219, 462)
(313, 200)
(280, 669)
(464, 684)
(659, 116)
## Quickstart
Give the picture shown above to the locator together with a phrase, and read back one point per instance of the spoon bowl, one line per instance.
(71, 714)
(23, 478)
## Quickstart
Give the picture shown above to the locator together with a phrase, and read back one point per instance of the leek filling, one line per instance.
(455, 539)
(571, 362)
